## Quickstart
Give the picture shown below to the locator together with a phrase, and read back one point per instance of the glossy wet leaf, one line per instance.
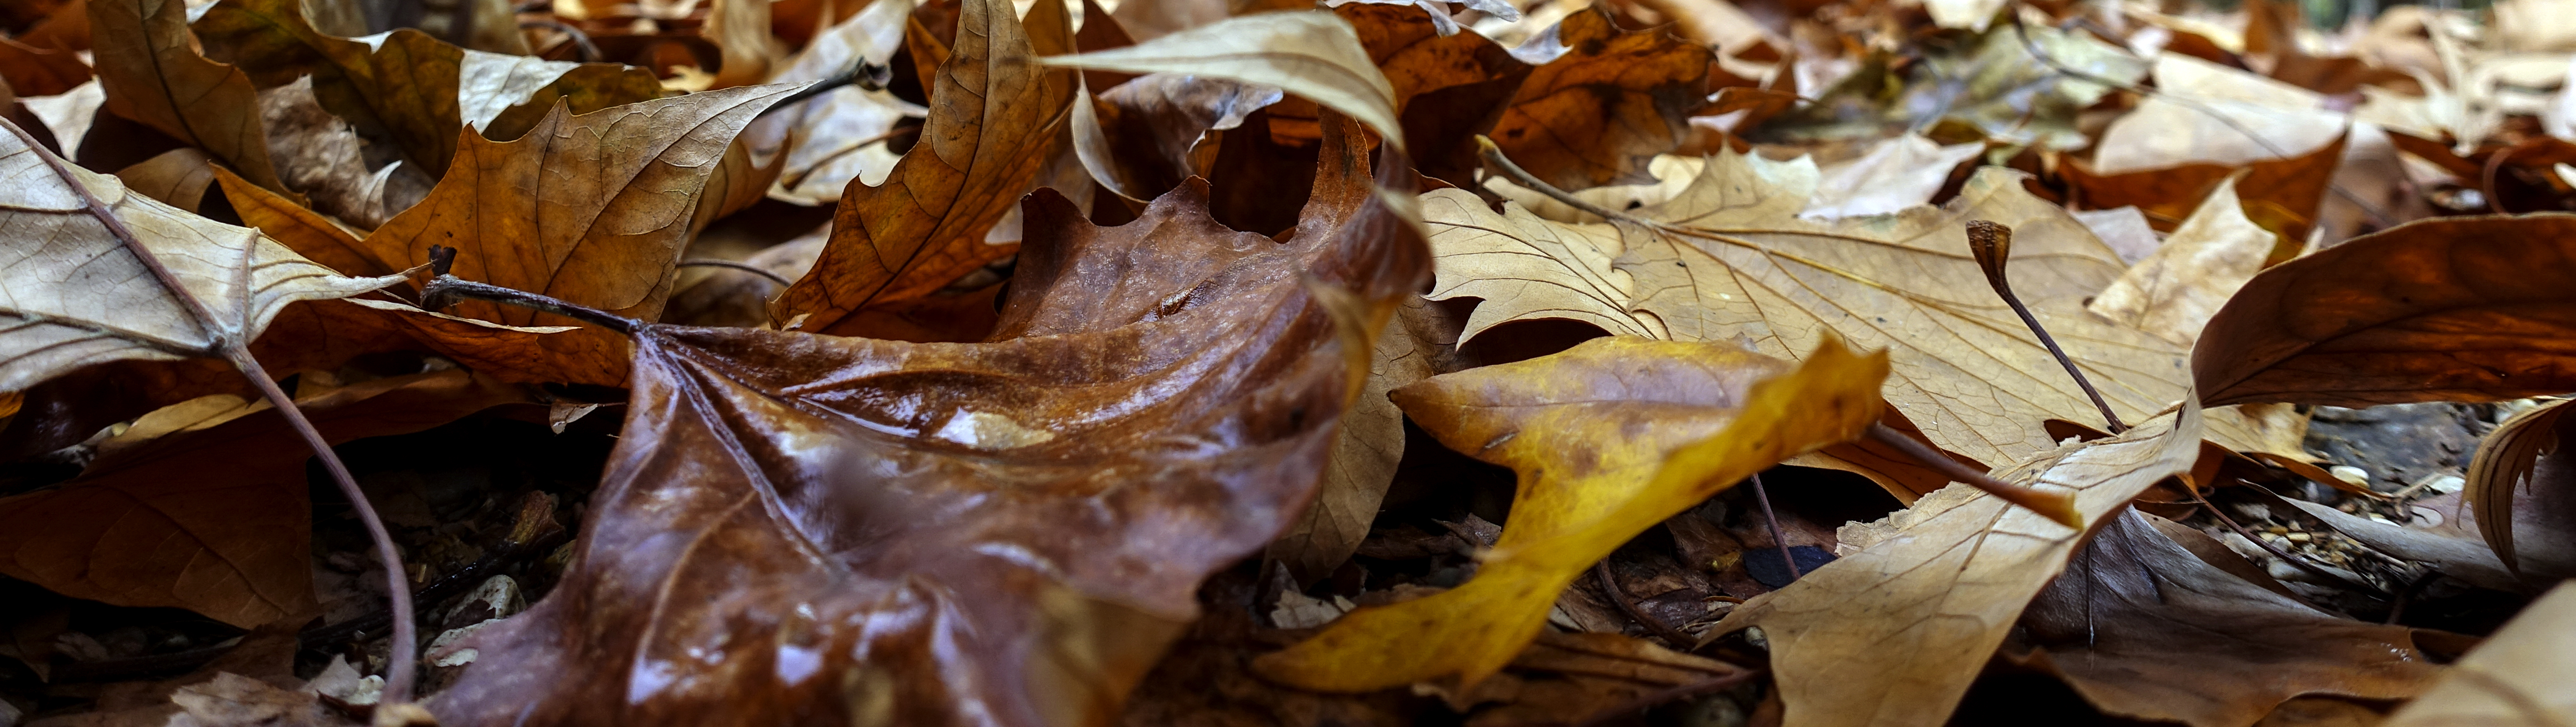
(2456, 309)
(994, 533)
(1610, 438)
(993, 119)
(1945, 578)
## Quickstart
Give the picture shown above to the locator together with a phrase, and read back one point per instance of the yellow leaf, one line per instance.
(1610, 437)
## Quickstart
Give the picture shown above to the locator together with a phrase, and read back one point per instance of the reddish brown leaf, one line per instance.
(1613, 101)
(803, 527)
(2457, 309)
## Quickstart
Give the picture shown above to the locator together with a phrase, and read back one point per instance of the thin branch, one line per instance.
(2277, 552)
(1992, 244)
(1778, 538)
(781, 280)
(398, 673)
(867, 76)
(1610, 587)
(445, 290)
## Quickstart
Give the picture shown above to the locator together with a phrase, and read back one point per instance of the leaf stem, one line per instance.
(1778, 537)
(1610, 587)
(225, 345)
(2057, 506)
(1992, 243)
(764, 273)
(446, 289)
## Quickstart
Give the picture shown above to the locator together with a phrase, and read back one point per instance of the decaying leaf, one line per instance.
(1610, 438)
(2175, 290)
(2455, 309)
(1371, 445)
(1145, 136)
(992, 122)
(154, 75)
(74, 294)
(149, 524)
(1729, 258)
(1991, 80)
(2145, 629)
(1315, 55)
(843, 135)
(1040, 511)
(1605, 105)
(2517, 678)
(1948, 577)
(2505, 462)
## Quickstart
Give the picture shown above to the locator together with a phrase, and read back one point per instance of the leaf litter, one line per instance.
(1176, 362)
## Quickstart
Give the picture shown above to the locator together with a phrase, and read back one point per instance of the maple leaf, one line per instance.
(1605, 104)
(1049, 504)
(154, 75)
(1729, 259)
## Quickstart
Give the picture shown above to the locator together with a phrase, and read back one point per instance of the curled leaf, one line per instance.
(1313, 54)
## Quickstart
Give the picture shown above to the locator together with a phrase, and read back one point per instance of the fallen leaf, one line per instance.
(1948, 575)
(2208, 113)
(1145, 136)
(843, 135)
(1601, 108)
(152, 73)
(1315, 55)
(1892, 175)
(740, 31)
(2455, 309)
(69, 114)
(178, 178)
(78, 295)
(1991, 81)
(1610, 437)
(2517, 677)
(1729, 259)
(2508, 459)
(33, 70)
(2144, 629)
(322, 157)
(2468, 560)
(2174, 291)
(2285, 193)
(149, 524)
(233, 700)
(1371, 444)
(1055, 498)
(991, 118)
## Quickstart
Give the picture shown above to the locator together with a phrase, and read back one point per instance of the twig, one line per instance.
(1992, 244)
(446, 290)
(2056, 506)
(861, 73)
(1610, 587)
(1778, 538)
(398, 674)
(581, 44)
(846, 150)
(781, 280)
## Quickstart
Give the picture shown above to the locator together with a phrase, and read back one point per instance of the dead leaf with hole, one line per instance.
(2454, 309)
(153, 74)
(1948, 577)
(1729, 259)
(992, 122)
(2142, 628)
(2174, 291)
(1610, 438)
(2518, 677)
(149, 524)
(1046, 503)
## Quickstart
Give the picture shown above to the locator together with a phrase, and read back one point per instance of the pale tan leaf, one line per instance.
(1313, 54)
(1945, 580)
(2175, 290)
(1893, 175)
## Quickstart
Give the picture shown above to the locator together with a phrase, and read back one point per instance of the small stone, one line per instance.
(2351, 475)
(2446, 484)
(2300, 537)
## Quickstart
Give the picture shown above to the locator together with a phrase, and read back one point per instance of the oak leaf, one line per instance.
(153, 74)
(1947, 577)
(993, 116)
(2454, 309)
(994, 533)
(1729, 259)
(1610, 438)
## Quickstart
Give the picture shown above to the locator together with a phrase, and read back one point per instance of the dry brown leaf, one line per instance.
(2174, 291)
(1731, 261)
(2208, 113)
(843, 135)
(1314, 54)
(75, 295)
(740, 31)
(153, 74)
(1603, 108)
(322, 157)
(1945, 578)
(2506, 460)
(1371, 444)
(32, 70)
(2144, 629)
(992, 117)
(150, 524)
(1050, 500)
(2456, 309)
(1145, 136)
(2517, 678)
(178, 177)
(2462, 558)
(2283, 194)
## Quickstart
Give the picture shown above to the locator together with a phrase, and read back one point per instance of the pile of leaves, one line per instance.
(1263, 362)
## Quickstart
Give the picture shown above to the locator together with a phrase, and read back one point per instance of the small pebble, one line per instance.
(2299, 537)
(2447, 484)
(2351, 475)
